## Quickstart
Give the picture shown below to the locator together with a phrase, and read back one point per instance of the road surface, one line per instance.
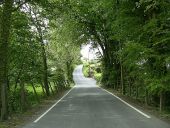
(88, 106)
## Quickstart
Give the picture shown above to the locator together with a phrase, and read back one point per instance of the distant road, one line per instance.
(88, 106)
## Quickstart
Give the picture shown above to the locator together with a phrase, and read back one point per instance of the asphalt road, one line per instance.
(88, 106)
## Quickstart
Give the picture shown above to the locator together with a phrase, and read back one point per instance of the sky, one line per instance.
(88, 53)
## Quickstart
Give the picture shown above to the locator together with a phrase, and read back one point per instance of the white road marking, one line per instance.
(52, 106)
(147, 116)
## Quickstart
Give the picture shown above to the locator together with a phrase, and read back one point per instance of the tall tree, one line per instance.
(5, 24)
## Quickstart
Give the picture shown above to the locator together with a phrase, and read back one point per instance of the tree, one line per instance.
(134, 37)
(5, 24)
(40, 24)
(64, 47)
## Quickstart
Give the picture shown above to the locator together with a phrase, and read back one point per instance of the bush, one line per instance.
(86, 70)
(97, 77)
(108, 78)
(98, 70)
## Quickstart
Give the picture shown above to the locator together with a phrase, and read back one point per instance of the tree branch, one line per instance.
(21, 4)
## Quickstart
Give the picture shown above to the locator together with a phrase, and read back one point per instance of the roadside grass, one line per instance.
(38, 88)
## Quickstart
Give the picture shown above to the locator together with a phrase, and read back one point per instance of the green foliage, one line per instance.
(86, 69)
(134, 38)
(95, 71)
(108, 78)
(35, 50)
(43, 38)
(15, 98)
(97, 77)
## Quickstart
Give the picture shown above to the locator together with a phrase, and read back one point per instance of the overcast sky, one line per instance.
(86, 52)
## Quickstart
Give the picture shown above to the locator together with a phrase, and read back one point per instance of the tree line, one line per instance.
(35, 51)
(134, 36)
(40, 42)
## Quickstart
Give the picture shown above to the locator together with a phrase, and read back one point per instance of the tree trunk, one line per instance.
(23, 97)
(146, 97)
(42, 86)
(117, 84)
(55, 85)
(161, 104)
(35, 92)
(45, 70)
(130, 88)
(19, 73)
(69, 71)
(121, 79)
(107, 68)
(5, 22)
(37, 24)
(51, 88)
(137, 92)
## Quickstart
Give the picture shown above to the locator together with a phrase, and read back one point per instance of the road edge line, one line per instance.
(41, 116)
(139, 111)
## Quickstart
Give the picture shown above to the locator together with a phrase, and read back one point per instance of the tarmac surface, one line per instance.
(88, 106)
